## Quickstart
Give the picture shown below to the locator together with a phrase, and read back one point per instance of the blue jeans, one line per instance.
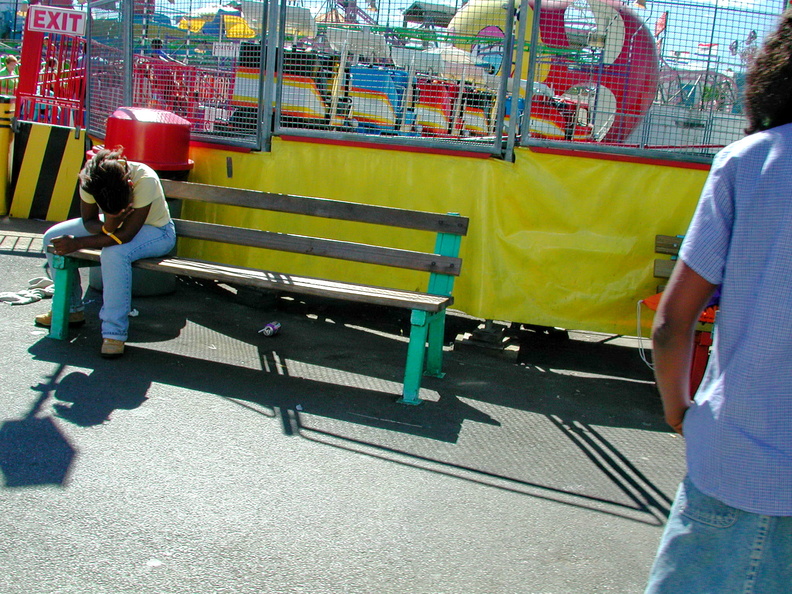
(116, 263)
(709, 547)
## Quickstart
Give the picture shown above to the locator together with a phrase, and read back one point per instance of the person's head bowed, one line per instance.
(106, 178)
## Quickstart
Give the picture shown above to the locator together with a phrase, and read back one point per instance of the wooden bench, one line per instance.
(427, 318)
(663, 267)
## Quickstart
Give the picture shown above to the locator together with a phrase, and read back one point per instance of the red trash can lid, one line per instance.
(158, 138)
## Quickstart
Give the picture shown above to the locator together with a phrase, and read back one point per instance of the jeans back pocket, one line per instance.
(705, 509)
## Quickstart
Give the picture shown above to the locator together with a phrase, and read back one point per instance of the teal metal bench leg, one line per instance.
(434, 353)
(64, 273)
(64, 281)
(416, 352)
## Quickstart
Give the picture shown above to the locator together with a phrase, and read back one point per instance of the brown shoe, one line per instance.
(112, 348)
(76, 318)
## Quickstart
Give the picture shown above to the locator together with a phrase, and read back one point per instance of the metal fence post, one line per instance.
(519, 44)
(267, 88)
(525, 124)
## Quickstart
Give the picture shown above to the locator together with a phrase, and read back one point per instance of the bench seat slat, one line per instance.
(318, 207)
(317, 246)
(277, 281)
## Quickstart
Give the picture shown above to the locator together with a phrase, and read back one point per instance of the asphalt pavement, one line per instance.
(214, 459)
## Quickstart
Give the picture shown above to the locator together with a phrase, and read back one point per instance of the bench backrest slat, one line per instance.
(330, 248)
(318, 207)
(668, 244)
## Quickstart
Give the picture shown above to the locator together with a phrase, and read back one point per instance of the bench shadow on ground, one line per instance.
(333, 373)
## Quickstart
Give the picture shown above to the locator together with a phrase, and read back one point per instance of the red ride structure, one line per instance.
(623, 62)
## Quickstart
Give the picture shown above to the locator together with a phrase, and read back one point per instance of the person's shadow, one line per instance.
(89, 399)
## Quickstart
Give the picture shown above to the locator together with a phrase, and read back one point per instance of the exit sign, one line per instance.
(56, 20)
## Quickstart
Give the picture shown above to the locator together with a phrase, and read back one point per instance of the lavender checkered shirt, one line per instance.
(739, 430)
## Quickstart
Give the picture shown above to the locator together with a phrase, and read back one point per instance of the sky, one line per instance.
(691, 22)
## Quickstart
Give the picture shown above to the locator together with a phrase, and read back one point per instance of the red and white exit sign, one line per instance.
(56, 20)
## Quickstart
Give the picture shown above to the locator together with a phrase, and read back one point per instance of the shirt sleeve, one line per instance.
(706, 242)
(146, 190)
(86, 197)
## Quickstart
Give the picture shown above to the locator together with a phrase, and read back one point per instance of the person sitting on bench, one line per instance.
(123, 213)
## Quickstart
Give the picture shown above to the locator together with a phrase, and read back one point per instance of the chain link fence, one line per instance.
(664, 78)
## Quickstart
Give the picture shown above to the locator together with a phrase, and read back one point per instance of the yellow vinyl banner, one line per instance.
(555, 240)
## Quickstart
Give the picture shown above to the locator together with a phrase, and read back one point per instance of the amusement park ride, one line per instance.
(597, 91)
(595, 77)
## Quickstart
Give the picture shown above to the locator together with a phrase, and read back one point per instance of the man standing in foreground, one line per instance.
(730, 529)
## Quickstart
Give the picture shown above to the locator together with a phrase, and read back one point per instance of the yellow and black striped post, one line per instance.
(6, 113)
(44, 171)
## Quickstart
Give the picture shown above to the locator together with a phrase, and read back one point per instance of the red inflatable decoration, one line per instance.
(624, 61)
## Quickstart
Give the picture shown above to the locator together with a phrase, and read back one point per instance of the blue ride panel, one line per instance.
(377, 95)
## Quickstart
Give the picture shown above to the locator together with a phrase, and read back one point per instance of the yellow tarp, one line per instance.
(234, 27)
(193, 24)
(554, 240)
(237, 28)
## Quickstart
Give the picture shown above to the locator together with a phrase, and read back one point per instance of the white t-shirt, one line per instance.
(146, 189)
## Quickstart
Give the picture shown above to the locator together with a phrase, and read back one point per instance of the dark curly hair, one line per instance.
(106, 178)
(768, 94)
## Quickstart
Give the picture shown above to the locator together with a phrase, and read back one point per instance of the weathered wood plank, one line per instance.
(278, 281)
(317, 246)
(668, 244)
(317, 207)
(663, 268)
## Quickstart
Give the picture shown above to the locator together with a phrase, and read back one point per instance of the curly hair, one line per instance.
(106, 178)
(768, 94)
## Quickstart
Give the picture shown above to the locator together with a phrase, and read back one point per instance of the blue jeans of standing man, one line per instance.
(116, 263)
(709, 547)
